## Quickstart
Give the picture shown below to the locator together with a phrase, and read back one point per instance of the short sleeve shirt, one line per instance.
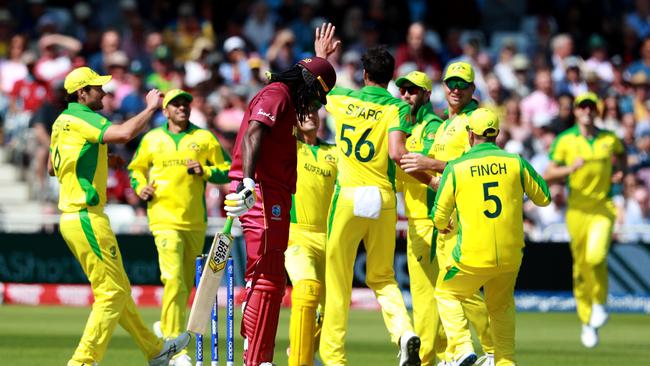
(79, 158)
(276, 164)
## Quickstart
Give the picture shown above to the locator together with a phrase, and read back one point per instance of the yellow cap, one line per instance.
(175, 93)
(82, 77)
(416, 78)
(586, 97)
(482, 120)
(461, 70)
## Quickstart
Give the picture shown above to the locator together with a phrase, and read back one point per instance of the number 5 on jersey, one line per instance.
(360, 153)
(491, 197)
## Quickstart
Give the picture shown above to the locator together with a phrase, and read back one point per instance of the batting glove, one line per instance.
(237, 204)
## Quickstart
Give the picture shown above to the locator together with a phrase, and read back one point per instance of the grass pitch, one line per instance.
(48, 335)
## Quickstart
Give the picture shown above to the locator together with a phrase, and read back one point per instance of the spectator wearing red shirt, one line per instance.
(416, 51)
(265, 152)
(28, 94)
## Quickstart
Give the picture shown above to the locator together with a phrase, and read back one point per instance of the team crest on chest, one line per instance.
(195, 147)
(330, 159)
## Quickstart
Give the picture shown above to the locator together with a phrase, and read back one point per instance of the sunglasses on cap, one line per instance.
(413, 89)
(457, 84)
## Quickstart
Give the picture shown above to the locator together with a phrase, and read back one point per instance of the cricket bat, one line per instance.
(208, 286)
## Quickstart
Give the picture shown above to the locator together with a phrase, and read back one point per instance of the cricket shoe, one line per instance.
(157, 330)
(486, 360)
(409, 348)
(170, 348)
(181, 360)
(589, 336)
(468, 359)
(599, 316)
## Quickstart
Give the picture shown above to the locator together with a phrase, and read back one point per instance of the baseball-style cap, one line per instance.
(81, 77)
(483, 122)
(173, 94)
(461, 70)
(416, 78)
(586, 97)
(323, 71)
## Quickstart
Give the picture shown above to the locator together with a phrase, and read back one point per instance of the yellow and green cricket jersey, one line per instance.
(589, 186)
(79, 157)
(314, 186)
(179, 198)
(419, 197)
(362, 120)
(486, 187)
(452, 139)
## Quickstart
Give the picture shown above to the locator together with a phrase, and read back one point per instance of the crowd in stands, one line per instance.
(530, 60)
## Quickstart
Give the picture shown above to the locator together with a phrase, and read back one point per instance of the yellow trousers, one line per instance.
(591, 233)
(346, 231)
(474, 305)
(499, 290)
(177, 251)
(423, 273)
(91, 240)
(304, 258)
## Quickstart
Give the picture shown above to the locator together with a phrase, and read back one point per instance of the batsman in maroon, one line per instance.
(263, 176)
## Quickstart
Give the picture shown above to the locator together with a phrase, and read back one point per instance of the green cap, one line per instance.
(416, 78)
(461, 70)
(173, 94)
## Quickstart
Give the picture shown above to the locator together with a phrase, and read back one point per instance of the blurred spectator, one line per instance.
(643, 63)
(640, 85)
(110, 43)
(134, 102)
(198, 68)
(611, 116)
(182, 31)
(258, 78)
(572, 82)
(303, 26)
(562, 48)
(117, 65)
(230, 117)
(598, 60)
(503, 69)
(496, 96)
(637, 215)
(28, 94)
(164, 76)
(639, 19)
(235, 69)
(541, 101)
(13, 68)
(415, 50)
(552, 214)
(565, 118)
(281, 54)
(350, 74)
(41, 127)
(57, 53)
(260, 26)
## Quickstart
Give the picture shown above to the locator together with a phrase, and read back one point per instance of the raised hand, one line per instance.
(324, 43)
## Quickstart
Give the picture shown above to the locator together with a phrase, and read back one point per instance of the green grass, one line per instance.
(48, 335)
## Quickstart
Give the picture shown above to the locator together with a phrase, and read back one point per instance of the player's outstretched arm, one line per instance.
(128, 130)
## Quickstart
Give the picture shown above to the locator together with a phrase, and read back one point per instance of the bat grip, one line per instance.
(228, 225)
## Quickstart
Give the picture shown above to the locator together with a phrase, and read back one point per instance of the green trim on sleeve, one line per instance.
(335, 199)
(218, 176)
(451, 273)
(293, 215)
(87, 228)
(537, 178)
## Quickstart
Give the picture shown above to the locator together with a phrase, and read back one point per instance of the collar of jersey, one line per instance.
(484, 146)
(470, 107)
(371, 89)
(190, 127)
(79, 107)
(425, 110)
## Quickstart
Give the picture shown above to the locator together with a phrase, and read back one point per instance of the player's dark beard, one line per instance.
(303, 86)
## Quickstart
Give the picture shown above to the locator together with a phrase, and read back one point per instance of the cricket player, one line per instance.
(363, 208)
(264, 167)
(451, 141)
(589, 159)
(305, 256)
(169, 171)
(486, 188)
(79, 159)
(415, 89)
